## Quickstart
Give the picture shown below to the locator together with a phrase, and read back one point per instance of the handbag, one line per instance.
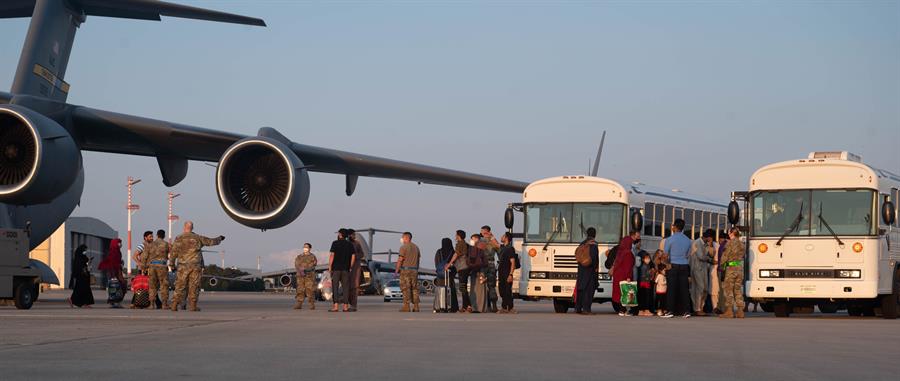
(629, 294)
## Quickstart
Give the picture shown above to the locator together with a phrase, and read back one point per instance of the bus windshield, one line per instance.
(846, 211)
(566, 222)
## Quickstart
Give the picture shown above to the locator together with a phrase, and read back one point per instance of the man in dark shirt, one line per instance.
(586, 283)
(339, 263)
(355, 270)
(505, 267)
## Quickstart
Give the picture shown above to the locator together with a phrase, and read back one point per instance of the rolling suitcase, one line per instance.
(140, 286)
(115, 291)
(441, 295)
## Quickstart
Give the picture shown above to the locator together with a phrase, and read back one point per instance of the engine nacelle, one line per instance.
(261, 183)
(39, 160)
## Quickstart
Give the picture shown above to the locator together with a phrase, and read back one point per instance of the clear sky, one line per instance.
(695, 96)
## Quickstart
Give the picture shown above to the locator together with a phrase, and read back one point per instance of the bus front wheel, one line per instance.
(782, 309)
(560, 306)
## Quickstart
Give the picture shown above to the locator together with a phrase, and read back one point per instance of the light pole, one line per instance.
(171, 217)
(131, 207)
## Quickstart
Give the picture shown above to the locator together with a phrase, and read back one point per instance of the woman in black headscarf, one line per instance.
(80, 279)
(441, 259)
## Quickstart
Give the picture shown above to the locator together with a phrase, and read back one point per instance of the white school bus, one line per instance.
(558, 210)
(822, 231)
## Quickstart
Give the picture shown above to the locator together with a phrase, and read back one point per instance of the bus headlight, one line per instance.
(848, 273)
(770, 273)
(857, 247)
(763, 248)
(538, 275)
(604, 276)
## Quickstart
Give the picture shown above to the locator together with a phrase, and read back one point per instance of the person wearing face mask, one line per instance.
(305, 264)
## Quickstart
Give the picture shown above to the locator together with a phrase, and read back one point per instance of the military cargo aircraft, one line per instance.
(262, 181)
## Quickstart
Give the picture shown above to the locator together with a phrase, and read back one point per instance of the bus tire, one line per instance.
(782, 309)
(767, 307)
(24, 295)
(890, 302)
(560, 306)
(854, 310)
(828, 308)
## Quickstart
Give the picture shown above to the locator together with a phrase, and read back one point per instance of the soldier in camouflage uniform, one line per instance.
(490, 265)
(733, 283)
(408, 268)
(305, 264)
(155, 256)
(186, 251)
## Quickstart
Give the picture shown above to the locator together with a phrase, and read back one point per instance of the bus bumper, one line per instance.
(812, 289)
(554, 288)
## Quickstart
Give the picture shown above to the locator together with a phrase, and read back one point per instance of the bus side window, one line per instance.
(658, 221)
(649, 208)
(689, 226)
(670, 218)
(895, 197)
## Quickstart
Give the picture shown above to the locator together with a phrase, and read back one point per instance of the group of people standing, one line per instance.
(154, 258)
(679, 279)
(478, 267)
(344, 264)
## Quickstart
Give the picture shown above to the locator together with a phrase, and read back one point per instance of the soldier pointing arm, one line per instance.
(187, 252)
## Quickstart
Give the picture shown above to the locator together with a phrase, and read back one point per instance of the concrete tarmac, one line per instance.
(258, 336)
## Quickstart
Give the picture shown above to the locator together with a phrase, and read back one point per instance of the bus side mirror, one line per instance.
(509, 218)
(637, 222)
(734, 213)
(888, 214)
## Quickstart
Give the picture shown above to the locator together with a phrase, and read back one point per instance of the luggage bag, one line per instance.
(441, 295)
(140, 286)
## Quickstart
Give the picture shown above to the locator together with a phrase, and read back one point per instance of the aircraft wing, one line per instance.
(105, 131)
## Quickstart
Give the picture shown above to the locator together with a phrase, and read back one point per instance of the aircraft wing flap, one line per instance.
(105, 131)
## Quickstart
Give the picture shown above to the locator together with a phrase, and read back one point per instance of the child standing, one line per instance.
(661, 289)
(645, 285)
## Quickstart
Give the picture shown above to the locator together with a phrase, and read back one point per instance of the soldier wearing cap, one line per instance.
(733, 283)
(305, 264)
(155, 256)
(408, 268)
(187, 254)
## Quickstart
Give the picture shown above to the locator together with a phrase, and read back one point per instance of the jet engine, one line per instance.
(261, 183)
(39, 160)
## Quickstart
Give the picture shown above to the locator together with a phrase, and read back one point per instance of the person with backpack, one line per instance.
(588, 257)
(608, 263)
(459, 262)
(509, 262)
(623, 267)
